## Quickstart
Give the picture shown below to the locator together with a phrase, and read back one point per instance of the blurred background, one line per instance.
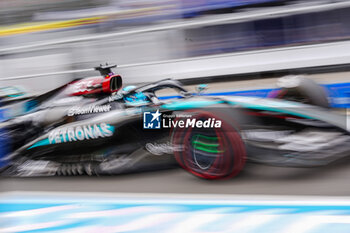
(237, 45)
(43, 40)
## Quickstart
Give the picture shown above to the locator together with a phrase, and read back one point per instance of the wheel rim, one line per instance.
(206, 149)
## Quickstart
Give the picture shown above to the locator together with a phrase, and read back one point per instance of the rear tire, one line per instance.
(301, 89)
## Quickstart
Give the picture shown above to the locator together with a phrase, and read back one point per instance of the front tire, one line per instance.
(210, 153)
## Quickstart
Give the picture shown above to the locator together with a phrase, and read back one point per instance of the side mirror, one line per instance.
(201, 88)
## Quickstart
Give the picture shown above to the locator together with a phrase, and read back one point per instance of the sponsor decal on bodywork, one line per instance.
(68, 100)
(78, 133)
(115, 96)
(162, 148)
(81, 110)
(262, 135)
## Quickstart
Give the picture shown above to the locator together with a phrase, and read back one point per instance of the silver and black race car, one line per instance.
(93, 126)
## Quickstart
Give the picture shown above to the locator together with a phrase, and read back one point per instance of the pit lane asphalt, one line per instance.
(330, 180)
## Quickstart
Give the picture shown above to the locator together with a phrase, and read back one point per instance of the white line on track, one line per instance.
(158, 198)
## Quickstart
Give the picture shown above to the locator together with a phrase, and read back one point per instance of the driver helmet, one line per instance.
(138, 97)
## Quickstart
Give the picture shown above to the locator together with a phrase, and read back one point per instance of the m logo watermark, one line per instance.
(151, 120)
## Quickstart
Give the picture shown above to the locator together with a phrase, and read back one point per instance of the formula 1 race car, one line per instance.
(94, 126)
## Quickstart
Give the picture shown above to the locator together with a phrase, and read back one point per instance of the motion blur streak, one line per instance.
(173, 213)
(215, 27)
(90, 129)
